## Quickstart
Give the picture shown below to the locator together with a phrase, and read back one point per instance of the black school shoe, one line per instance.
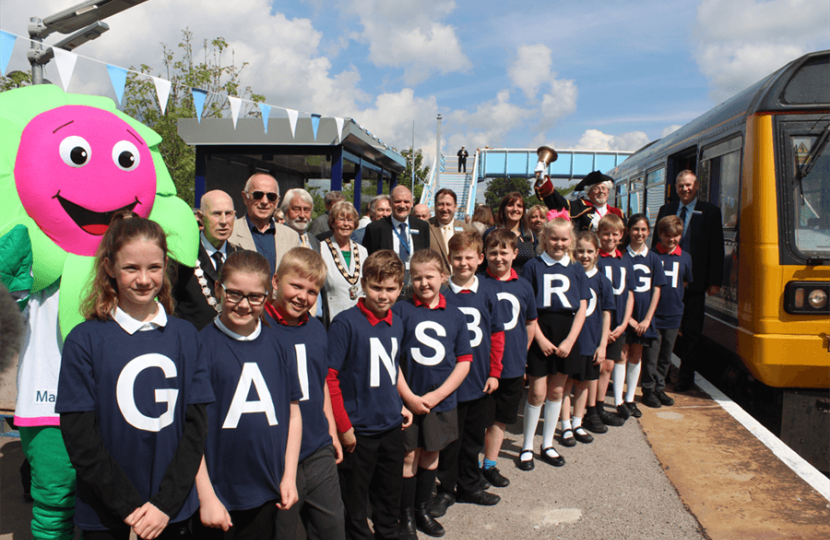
(557, 461)
(664, 398)
(584, 437)
(651, 400)
(623, 411)
(610, 419)
(409, 530)
(526, 465)
(440, 503)
(480, 497)
(425, 523)
(633, 410)
(567, 442)
(495, 477)
(593, 423)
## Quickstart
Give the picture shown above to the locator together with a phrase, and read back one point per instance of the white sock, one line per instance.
(619, 379)
(631, 378)
(531, 420)
(552, 410)
(577, 422)
(565, 425)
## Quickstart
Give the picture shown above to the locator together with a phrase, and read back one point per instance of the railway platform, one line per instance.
(691, 471)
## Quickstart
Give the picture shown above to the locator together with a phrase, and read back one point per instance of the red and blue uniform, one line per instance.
(558, 286)
(602, 299)
(677, 267)
(647, 274)
(618, 270)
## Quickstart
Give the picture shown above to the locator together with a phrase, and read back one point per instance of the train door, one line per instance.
(685, 159)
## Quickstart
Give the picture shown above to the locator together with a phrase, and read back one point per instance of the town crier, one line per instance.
(584, 213)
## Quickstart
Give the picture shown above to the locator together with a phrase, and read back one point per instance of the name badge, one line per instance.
(698, 212)
(414, 231)
(459, 228)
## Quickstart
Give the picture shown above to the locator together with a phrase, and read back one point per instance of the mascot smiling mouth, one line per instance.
(95, 223)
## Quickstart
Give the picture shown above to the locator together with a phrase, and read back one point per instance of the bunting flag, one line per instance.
(315, 123)
(236, 104)
(292, 119)
(339, 122)
(6, 45)
(65, 61)
(162, 91)
(118, 77)
(199, 97)
(266, 112)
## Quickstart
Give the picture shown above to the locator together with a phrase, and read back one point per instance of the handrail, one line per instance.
(471, 197)
(429, 185)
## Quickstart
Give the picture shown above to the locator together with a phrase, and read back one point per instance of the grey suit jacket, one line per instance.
(436, 239)
(284, 238)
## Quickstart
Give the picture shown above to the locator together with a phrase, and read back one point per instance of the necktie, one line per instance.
(218, 259)
(403, 252)
(685, 241)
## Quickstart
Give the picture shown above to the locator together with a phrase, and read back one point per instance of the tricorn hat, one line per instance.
(593, 178)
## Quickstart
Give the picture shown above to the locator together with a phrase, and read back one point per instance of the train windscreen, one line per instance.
(810, 174)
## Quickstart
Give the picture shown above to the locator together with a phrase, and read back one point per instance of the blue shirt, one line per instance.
(517, 306)
(254, 381)
(479, 304)
(690, 209)
(367, 358)
(265, 242)
(558, 286)
(602, 299)
(433, 341)
(619, 271)
(647, 274)
(139, 386)
(677, 267)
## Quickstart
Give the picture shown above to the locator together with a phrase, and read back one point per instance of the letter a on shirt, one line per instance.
(251, 375)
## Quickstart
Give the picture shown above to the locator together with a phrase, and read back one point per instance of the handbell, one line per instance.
(547, 155)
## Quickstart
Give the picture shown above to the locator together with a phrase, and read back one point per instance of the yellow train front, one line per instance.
(763, 158)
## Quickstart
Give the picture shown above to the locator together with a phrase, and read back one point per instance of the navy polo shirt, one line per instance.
(677, 267)
(517, 306)
(647, 274)
(618, 270)
(602, 299)
(558, 286)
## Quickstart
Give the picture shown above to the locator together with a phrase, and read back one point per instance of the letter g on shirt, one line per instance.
(125, 392)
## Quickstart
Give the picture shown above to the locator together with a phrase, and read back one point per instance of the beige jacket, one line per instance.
(436, 239)
(284, 238)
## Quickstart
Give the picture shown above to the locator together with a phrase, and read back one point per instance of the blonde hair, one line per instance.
(246, 262)
(560, 224)
(304, 262)
(611, 221)
(426, 256)
(382, 265)
(465, 240)
(343, 209)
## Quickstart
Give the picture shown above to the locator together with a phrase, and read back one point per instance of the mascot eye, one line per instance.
(125, 155)
(75, 151)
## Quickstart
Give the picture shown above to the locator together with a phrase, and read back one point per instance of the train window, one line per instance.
(655, 194)
(622, 196)
(812, 208)
(809, 84)
(720, 178)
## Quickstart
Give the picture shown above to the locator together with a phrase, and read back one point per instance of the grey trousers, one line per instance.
(657, 360)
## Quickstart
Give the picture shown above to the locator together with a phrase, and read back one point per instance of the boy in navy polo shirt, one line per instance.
(297, 284)
(677, 265)
(435, 359)
(517, 308)
(363, 360)
(458, 468)
(610, 232)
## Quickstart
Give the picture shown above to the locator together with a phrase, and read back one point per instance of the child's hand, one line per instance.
(152, 523)
(599, 355)
(547, 347)
(430, 400)
(491, 385)
(616, 333)
(643, 326)
(417, 405)
(348, 440)
(137, 514)
(213, 514)
(632, 323)
(288, 494)
(338, 450)
(564, 348)
(407, 418)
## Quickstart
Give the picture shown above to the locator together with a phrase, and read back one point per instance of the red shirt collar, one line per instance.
(373, 320)
(276, 313)
(442, 302)
(615, 255)
(676, 251)
(513, 274)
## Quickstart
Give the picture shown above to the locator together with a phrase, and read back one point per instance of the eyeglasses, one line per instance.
(235, 297)
(257, 195)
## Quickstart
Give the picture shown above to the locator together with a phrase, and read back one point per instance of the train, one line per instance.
(763, 157)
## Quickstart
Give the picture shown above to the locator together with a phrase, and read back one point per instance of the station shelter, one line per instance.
(226, 156)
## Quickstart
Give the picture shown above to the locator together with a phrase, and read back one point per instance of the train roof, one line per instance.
(800, 85)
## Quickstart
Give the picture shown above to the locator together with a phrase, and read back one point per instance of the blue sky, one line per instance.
(605, 75)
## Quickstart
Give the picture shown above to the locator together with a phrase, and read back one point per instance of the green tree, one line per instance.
(421, 172)
(15, 79)
(184, 72)
(499, 187)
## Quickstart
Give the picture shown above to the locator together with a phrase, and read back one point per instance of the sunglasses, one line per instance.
(257, 195)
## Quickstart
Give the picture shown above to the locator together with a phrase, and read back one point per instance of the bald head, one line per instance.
(217, 214)
(421, 211)
(401, 203)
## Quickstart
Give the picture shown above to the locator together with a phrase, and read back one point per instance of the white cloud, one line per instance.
(738, 42)
(668, 130)
(488, 123)
(409, 34)
(594, 139)
(531, 71)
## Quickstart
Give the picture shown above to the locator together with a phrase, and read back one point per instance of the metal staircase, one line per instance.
(447, 177)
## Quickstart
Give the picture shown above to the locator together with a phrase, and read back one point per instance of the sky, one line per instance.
(595, 74)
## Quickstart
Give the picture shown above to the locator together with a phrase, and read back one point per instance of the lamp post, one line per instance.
(82, 19)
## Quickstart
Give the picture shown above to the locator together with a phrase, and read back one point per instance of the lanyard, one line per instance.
(403, 243)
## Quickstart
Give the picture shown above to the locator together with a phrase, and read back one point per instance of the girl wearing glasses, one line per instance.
(254, 427)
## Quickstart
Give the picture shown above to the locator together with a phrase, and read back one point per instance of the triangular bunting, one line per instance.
(266, 112)
(199, 97)
(339, 122)
(118, 76)
(292, 120)
(315, 123)
(162, 91)
(65, 61)
(236, 104)
(6, 45)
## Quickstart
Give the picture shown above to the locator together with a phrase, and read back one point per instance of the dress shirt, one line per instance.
(210, 250)
(396, 243)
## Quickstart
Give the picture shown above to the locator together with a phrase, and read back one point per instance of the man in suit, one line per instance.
(400, 232)
(257, 230)
(194, 287)
(703, 240)
(320, 224)
(462, 159)
(421, 211)
(443, 225)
